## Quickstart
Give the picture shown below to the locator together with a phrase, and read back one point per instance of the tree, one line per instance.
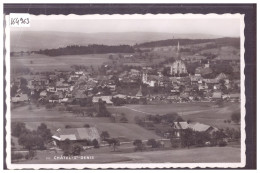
(14, 90)
(18, 128)
(123, 119)
(139, 145)
(95, 143)
(235, 117)
(187, 138)
(65, 146)
(104, 135)
(102, 110)
(218, 136)
(31, 140)
(44, 132)
(76, 149)
(153, 143)
(87, 126)
(220, 103)
(201, 138)
(114, 143)
(67, 126)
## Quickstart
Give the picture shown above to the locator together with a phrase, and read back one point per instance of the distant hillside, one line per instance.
(235, 42)
(90, 49)
(36, 40)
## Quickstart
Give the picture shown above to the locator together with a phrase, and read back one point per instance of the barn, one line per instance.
(76, 135)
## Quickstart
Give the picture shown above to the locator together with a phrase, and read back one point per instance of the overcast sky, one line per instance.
(216, 26)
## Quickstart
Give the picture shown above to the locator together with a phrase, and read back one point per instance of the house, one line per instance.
(51, 88)
(200, 71)
(217, 95)
(76, 135)
(121, 96)
(53, 98)
(20, 98)
(234, 97)
(37, 80)
(79, 94)
(179, 127)
(134, 72)
(43, 93)
(221, 76)
(106, 99)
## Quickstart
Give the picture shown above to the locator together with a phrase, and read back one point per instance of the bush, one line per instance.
(30, 155)
(95, 143)
(222, 143)
(49, 106)
(235, 117)
(76, 149)
(104, 135)
(153, 143)
(66, 153)
(18, 128)
(175, 143)
(123, 120)
(139, 145)
(87, 126)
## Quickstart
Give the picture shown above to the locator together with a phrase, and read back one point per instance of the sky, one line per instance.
(216, 25)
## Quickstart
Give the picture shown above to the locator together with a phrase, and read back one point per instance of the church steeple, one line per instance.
(178, 51)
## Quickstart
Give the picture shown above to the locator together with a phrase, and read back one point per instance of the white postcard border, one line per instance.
(130, 165)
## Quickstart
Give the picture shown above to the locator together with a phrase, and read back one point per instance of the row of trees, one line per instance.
(30, 139)
(173, 42)
(90, 49)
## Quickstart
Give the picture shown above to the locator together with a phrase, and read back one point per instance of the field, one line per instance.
(205, 113)
(194, 155)
(55, 119)
(46, 63)
(200, 112)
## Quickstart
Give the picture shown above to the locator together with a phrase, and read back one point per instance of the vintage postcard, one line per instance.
(125, 91)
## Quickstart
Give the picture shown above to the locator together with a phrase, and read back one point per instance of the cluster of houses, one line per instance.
(179, 86)
(69, 86)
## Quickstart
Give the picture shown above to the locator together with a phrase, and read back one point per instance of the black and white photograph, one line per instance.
(125, 91)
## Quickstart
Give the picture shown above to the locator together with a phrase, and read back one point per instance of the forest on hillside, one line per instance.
(90, 49)
(227, 41)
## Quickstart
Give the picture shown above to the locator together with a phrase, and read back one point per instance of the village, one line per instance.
(89, 92)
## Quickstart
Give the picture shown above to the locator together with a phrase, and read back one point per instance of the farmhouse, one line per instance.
(234, 97)
(106, 99)
(179, 127)
(216, 95)
(76, 135)
(20, 98)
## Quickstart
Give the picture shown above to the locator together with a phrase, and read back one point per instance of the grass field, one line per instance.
(198, 112)
(55, 119)
(194, 155)
(45, 63)
(205, 113)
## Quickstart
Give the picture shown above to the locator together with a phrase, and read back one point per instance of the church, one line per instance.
(178, 67)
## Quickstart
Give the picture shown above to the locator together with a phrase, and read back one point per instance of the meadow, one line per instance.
(193, 155)
(203, 112)
(37, 62)
(55, 119)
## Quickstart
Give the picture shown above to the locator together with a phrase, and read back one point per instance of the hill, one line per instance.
(26, 40)
(226, 41)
